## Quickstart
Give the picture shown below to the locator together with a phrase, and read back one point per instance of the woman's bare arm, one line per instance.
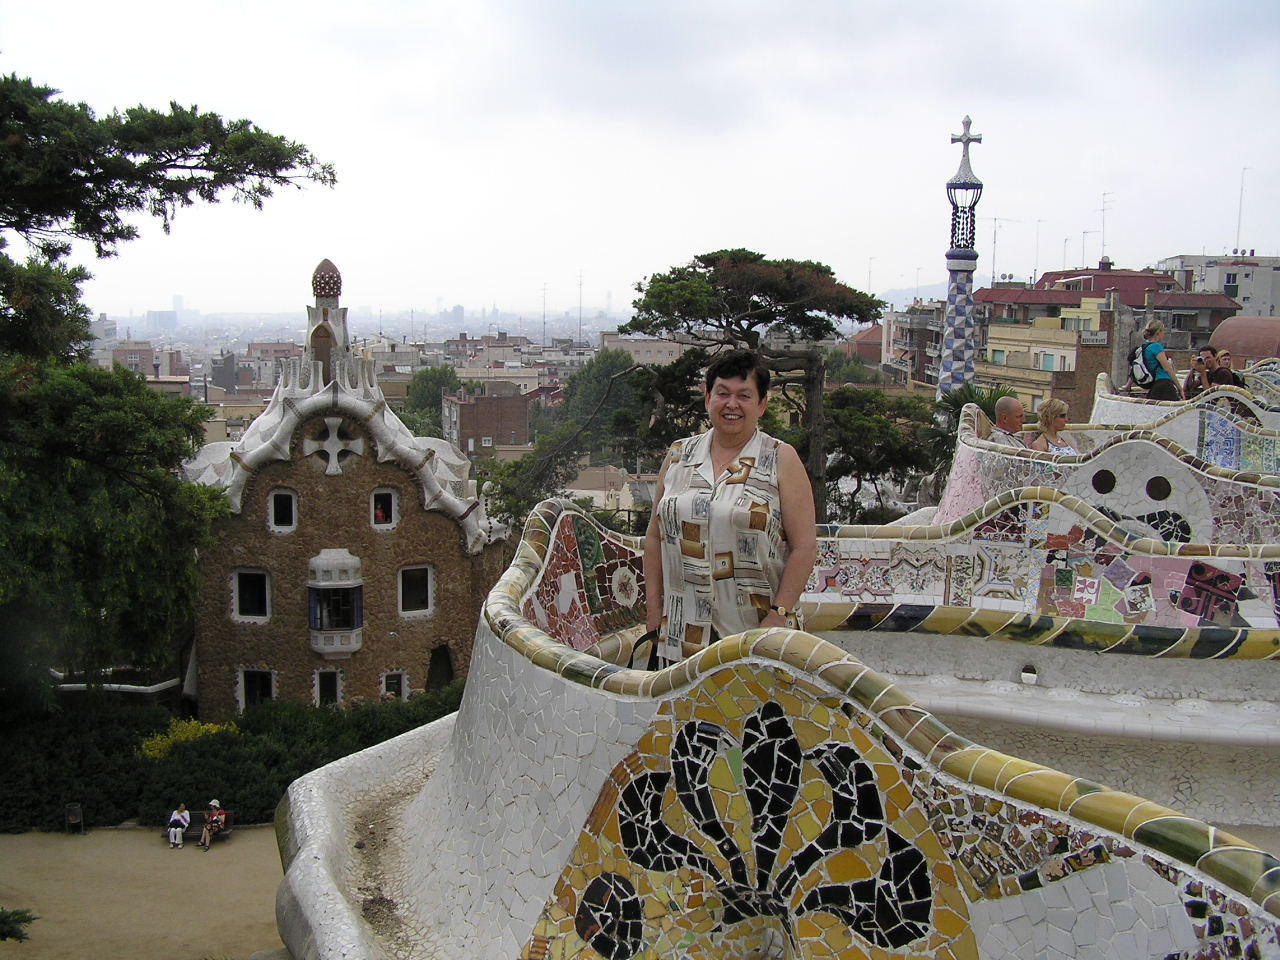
(653, 556)
(799, 524)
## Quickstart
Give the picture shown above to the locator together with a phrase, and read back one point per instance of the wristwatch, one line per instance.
(779, 609)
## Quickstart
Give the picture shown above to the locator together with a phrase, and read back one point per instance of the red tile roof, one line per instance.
(1065, 298)
(1197, 301)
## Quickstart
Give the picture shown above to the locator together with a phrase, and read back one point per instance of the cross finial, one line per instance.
(966, 138)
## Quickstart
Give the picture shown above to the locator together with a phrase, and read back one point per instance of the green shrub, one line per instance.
(85, 753)
(12, 923)
(121, 762)
(157, 747)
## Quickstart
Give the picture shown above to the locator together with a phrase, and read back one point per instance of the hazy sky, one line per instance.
(485, 148)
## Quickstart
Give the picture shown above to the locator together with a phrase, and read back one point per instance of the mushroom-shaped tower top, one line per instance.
(326, 281)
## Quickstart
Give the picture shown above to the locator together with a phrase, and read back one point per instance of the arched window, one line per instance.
(440, 669)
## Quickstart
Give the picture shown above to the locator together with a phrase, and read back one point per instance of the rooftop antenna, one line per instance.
(1035, 269)
(1103, 211)
(1083, 234)
(544, 314)
(579, 306)
(1240, 208)
(995, 226)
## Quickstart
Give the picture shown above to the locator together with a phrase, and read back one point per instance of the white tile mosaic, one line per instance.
(779, 796)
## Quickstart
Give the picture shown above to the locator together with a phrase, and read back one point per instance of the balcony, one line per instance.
(336, 644)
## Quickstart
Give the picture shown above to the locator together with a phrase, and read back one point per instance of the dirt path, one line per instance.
(125, 894)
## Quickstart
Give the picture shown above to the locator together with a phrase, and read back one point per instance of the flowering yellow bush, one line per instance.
(157, 747)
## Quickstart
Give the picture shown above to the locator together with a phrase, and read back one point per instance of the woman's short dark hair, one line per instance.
(739, 363)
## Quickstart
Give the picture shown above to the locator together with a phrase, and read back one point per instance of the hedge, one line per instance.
(91, 753)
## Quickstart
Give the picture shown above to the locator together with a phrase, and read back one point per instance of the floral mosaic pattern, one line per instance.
(762, 817)
(1045, 572)
(589, 586)
(756, 812)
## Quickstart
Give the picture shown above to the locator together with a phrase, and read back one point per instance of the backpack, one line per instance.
(1138, 369)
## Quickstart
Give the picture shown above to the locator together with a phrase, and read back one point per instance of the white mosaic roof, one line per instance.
(352, 391)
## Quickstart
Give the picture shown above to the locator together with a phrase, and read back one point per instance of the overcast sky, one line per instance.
(486, 148)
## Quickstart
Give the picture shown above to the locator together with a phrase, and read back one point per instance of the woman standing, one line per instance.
(1165, 385)
(1053, 418)
(732, 540)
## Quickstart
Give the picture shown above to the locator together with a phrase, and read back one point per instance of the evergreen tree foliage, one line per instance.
(669, 405)
(97, 531)
(65, 173)
(595, 394)
(423, 399)
(779, 308)
(874, 437)
(13, 923)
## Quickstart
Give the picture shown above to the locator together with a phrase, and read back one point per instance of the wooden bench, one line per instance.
(196, 827)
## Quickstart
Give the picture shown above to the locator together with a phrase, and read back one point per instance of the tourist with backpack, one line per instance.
(1151, 367)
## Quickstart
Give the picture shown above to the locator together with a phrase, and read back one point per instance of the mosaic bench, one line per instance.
(1112, 407)
(1137, 477)
(1214, 432)
(770, 797)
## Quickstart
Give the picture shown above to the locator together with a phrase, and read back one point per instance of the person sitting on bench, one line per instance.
(214, 822)
(179, 820)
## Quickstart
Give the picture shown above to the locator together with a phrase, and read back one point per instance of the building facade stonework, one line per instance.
(356, 556)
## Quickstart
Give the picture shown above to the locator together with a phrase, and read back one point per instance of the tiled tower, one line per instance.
(959, 343)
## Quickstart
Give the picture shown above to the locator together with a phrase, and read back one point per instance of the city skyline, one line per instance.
(493, 153)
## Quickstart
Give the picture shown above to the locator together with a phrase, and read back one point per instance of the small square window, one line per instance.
(384, 508)
(256, 686)
(393, 685)
(283, 510)
(252, 595)
(486, 441)
(415, 590)
(327, 688)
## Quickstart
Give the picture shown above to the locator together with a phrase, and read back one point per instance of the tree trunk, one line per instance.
(814, 367)
(816, 421)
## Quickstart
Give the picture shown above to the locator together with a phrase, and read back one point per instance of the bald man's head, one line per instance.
(1010, 416)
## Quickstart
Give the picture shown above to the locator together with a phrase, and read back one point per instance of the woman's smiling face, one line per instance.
(735, 406)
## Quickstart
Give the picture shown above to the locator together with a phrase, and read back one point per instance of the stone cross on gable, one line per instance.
(965, 139)
(332, 446)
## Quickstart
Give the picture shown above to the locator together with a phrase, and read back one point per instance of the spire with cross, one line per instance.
(959, 336)
(963, 190)
(965, 172)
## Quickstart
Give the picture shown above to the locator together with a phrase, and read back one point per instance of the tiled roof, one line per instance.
(1199, 301)
(1065, 298)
